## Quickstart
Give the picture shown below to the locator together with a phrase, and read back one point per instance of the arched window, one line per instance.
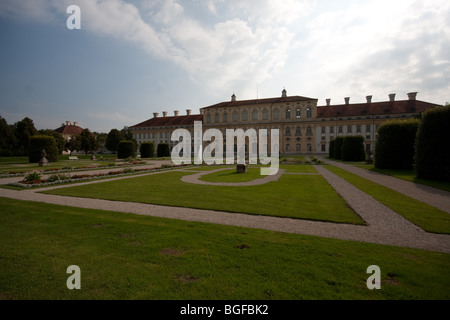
(288, 113)
(309, 131)
(235, 116)
(265, 114)
(309, 148)
(225, 117)
(255, 115)
(208, 118)
(216, 118)
(288, 131)
(298, 131)
(297, 114)
(244, 116)
(308, 113)
(276, 114)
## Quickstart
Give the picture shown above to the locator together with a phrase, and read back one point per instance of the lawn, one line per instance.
(423, 215)
(296, 196)
(125, 256)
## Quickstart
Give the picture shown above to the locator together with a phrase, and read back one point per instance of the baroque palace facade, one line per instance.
(304, 127)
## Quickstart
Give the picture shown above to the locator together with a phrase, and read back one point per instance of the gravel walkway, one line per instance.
(383, 225)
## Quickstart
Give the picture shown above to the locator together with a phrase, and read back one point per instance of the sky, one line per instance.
(133, 58)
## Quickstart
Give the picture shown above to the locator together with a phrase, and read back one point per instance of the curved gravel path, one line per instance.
(383, 225)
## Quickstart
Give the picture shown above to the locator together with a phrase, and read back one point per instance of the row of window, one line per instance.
(254, 115)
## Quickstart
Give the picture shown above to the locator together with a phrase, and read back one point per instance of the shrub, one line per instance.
(163, 150)
(338, 147)
(39, 143)
(432, 158)
(58, 177)
(32, 176)
(331, 149)
(147, 150)
(126, 149)
(353, 148)
(395, 145)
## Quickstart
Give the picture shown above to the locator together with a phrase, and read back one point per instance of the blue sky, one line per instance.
(133, 58)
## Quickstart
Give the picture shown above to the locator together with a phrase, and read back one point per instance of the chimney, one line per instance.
(164, 113)
(369, 99)
(412, 95)
(347, 100)
(175, 113)
(75, 123)
(328, 102)
(284, 93)
(68, 123)
(188, 112)
(392, 97)
(155, 114)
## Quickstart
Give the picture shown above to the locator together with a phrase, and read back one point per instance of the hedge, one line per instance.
(147, 150)
(338, 147)
(126, 149)
(432, 158)
(395, 146)
(40, 142)
(353, 148)
(163, 150)
(331, 149)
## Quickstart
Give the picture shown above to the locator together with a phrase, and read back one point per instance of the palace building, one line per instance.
(304, 127)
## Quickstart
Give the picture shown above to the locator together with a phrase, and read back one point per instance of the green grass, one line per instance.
(231, 176)
(423, 215)
(295, 196)
(125, 256)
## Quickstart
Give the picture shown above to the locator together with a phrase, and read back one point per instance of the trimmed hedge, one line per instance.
(432, 158)
(353, 148)
(395, 146)
(39, 143)
(147, 150)
(163, 150)
(331, 149)
(338, 147)
(126, 149)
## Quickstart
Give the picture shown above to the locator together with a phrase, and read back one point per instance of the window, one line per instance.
(288, 131)
(255, 115)
(225, 117)
(340, 129)
(298, 131)
(368, 129)
(208, 118)
(349, 129)
(323, 130)
(309, 148)
(297, 114)
(358, 129)
(244, 116)
(265, 114)
(235, 116)
(309, 131)
(288, 147)
(216, 118)
(332, 130)
(298, 148)
(323, 148)
(276, 114)
(308, 113)
(288, 113)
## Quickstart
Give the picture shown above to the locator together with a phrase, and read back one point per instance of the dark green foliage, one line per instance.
(88, 141)
(113, 139)
(39, 143)
(60, 142)
(338, 147)
(353, 148)
(163, 150)
(126, 149)
(147, 150)
(432, 157)
(23, 130)
(331, 149)
(395, 145)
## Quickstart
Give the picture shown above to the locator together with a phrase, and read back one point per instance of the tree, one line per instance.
(39, 143)
(113, 139)
(163, 150)
(88, 141)
(353, 148)
(24, 130)
(73, 144)
(147, 150)
(126, 149)
(60, 142)
(7, 138)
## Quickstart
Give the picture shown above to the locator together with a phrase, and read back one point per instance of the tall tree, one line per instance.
(60, 142)
(113, 139)
(24, 130)
(7, 138)
(88, 141)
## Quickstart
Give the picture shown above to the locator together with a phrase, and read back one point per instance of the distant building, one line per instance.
(304, 127)
(69, 130)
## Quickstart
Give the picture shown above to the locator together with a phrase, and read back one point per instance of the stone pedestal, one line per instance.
(241, 168)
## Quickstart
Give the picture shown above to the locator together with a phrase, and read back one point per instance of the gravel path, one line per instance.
(383, 225)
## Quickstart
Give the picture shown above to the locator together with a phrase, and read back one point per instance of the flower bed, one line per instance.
(85, 177)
